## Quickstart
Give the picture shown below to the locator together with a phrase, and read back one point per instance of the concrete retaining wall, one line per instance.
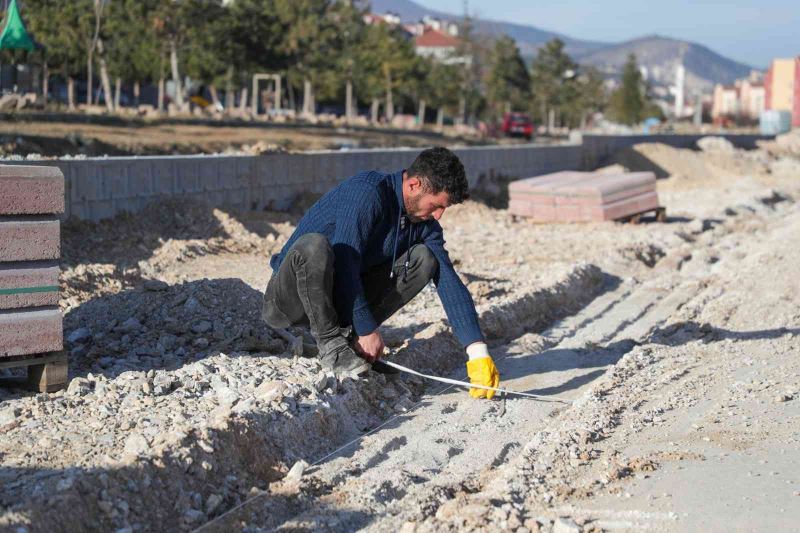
(103, 187)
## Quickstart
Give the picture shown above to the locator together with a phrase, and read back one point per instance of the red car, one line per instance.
(517, 125)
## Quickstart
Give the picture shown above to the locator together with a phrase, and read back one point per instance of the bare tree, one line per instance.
(98, 16)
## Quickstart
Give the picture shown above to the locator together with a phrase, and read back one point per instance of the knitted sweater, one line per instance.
(359, 218)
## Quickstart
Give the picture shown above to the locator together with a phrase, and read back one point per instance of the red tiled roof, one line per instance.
(436, 39)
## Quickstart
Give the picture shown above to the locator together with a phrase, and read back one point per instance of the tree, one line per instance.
(474, 54)
(255, 37)
(65, 29)
(631, 103)
(173, 21)
(553, 79)
(508, 84)
(385, 63)
(133, 48)
(443, 83)
(309, 37)
(590, 97)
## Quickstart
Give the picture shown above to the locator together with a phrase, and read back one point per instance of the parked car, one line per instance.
(517, 125)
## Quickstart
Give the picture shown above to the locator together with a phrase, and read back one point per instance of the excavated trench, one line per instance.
(194, 474)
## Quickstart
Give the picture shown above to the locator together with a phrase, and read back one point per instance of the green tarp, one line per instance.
(15, 36)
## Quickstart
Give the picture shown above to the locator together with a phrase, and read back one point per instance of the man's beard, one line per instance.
(412, 207)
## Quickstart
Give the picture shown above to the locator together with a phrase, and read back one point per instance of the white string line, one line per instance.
(451, 382)
(476, 386)
(318, 461)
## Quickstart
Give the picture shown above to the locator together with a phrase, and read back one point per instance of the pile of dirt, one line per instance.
(159, 324)
(786, 144)
(120, 253)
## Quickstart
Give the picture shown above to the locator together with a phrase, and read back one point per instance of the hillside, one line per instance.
(660, 55)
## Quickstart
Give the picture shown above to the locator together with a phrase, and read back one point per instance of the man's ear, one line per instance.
(414, 184)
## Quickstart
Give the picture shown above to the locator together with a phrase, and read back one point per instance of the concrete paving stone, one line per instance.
(631, 206)
(28, 285)
(24, 239)
(31, 190)
(24, 332)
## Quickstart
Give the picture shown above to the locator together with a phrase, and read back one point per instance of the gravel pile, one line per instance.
(120, 253)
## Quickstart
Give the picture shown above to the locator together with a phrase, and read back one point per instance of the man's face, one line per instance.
(422, 205)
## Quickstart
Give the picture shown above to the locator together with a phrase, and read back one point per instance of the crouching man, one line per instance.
(363, 251)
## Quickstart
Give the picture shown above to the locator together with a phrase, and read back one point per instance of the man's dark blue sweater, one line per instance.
(359, 218)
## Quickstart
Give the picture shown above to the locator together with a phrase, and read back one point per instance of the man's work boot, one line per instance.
(338, 357)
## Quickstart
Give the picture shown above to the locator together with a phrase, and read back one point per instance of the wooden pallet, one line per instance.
(46, 372)
(660, 214)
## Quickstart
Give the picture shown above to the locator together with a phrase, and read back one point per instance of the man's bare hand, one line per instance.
(370, 347)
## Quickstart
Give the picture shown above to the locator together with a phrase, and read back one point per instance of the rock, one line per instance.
(696, 226)
(270, 391)
(65, 484)
(202, 327)
(320, 382)
(212, 503)
(200, 342)
(136, 444)
(7, 416)
(405, 404)
(566, 525)
(226, 396)
(79, 387)
(80, 335)
(193, 516)
(78, 352)
(296, 472)
(155, 285)
(780, 398)
(450, 509)
(163, 380)
(715, 144)
(129, 326)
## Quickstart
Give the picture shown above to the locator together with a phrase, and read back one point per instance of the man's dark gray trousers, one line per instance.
(301, 291)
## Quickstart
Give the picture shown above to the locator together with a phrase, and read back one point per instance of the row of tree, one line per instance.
(322, 48)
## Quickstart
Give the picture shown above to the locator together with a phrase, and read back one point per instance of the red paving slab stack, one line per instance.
(31, 198)
(583, 196)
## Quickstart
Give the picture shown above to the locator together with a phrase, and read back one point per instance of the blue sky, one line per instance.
(747, 31)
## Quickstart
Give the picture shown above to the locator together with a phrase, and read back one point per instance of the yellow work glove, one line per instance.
(482, 371)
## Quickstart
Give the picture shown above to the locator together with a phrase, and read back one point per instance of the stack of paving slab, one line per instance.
(31, 334)
(583, 196)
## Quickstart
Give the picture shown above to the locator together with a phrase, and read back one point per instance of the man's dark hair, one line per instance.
(440, 170)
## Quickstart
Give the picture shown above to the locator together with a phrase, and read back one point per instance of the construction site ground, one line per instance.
(668, 355)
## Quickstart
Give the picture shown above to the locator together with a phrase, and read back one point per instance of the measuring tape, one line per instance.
(449, 381)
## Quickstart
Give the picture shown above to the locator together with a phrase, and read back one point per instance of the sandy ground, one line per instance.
(669, 354)
(52, 138)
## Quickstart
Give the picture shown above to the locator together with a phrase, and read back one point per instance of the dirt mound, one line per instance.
(160, 324)
(120, 253)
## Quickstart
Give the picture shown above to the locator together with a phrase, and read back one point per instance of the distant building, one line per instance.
(753, 99)
(390, 19)
(741, 102)
(442, 25)
(782, 85)
(439, 46)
